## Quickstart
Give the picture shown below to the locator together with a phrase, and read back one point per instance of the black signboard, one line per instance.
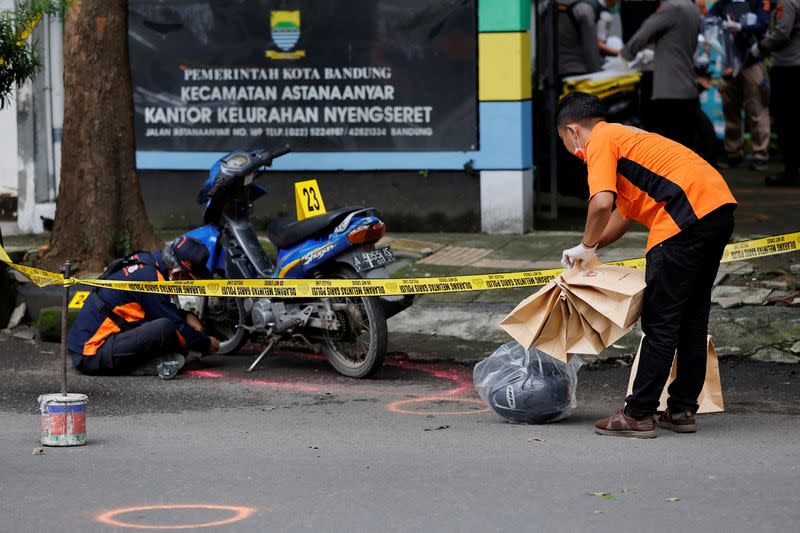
(319, 75)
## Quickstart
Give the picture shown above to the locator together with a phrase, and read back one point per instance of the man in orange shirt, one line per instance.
(686, 204)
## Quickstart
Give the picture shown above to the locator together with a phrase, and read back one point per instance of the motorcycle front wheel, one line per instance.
(359, 348)
(221, 318)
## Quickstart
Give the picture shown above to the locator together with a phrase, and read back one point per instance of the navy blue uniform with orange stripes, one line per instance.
(90, 336)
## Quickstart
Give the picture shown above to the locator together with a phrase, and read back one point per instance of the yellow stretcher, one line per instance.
(603, 84)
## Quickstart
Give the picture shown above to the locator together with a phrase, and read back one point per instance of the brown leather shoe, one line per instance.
(677, 421)
(620, 425)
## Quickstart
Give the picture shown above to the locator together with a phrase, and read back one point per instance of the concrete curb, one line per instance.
(770, 334)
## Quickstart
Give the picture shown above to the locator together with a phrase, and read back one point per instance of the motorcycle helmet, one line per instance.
(535, 390)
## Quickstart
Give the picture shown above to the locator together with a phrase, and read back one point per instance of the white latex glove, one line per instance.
(731, 25)
(578, 254)
(643, 57)
(615, 64)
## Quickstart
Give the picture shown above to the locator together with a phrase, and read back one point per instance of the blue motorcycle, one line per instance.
(340, 244)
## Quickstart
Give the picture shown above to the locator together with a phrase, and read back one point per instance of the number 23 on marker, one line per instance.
(308, 199)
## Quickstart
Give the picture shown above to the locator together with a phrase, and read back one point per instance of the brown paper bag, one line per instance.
(582, 337)
(526, 322)
(607, 331)
(710, 399)
(581, 311)
(553, 337)
(615, 292)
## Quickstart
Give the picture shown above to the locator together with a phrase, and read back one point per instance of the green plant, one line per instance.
(20, 59)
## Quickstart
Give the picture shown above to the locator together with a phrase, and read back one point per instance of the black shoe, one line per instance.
(729, 161)
(759, 165)
(782, 180)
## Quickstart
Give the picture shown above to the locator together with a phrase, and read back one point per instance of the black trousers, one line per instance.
(677, 301)
(675, 119)
(125, 351)
(785, 108)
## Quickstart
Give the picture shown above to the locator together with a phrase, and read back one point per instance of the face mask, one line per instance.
(579, 152)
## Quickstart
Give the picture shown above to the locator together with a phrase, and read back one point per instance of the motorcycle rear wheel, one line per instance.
(355, 356)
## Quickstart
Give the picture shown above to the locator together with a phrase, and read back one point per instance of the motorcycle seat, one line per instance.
(286, 232)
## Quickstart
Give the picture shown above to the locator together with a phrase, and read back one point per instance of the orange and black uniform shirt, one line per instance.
(92, 328)
(657, 182)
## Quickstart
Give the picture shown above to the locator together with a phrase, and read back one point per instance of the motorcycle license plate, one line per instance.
(373, 259)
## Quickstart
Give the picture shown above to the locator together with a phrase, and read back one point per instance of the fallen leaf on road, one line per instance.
(38, 451)
(673, 500)
(599, 511)
(430, 416)
(437, 429)
(268, 408)
(604, 495)
(535, 439)
(626, 490)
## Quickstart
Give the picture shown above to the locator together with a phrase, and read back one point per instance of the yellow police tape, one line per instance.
(304, 288)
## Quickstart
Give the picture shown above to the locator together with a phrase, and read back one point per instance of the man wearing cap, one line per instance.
(120, 332)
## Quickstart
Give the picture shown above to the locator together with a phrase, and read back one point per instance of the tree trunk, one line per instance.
(100, 214)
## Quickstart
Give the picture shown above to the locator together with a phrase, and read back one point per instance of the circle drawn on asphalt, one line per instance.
(240, 513)
(406, 406)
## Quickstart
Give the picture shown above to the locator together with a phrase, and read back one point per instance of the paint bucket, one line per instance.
(63, 419)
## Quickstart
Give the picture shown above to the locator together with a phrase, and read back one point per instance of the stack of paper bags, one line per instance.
(582, 311)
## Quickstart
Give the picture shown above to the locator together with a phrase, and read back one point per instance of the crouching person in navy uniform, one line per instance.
(124, 332)
(688, 208)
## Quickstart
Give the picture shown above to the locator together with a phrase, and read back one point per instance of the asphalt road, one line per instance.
(294, 447)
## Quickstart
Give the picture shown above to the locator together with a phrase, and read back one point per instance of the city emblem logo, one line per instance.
(285, 32)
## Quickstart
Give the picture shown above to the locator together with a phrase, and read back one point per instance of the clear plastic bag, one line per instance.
(527, 386)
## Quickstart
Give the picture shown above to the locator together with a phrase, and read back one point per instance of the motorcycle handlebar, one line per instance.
(283, 151)
(267, 157)
(264, 159)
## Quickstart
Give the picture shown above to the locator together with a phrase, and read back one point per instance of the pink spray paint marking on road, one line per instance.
(282, 385)
(460, 377)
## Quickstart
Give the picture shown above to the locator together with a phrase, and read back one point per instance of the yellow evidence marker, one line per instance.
(308, 199)
(78, 300)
